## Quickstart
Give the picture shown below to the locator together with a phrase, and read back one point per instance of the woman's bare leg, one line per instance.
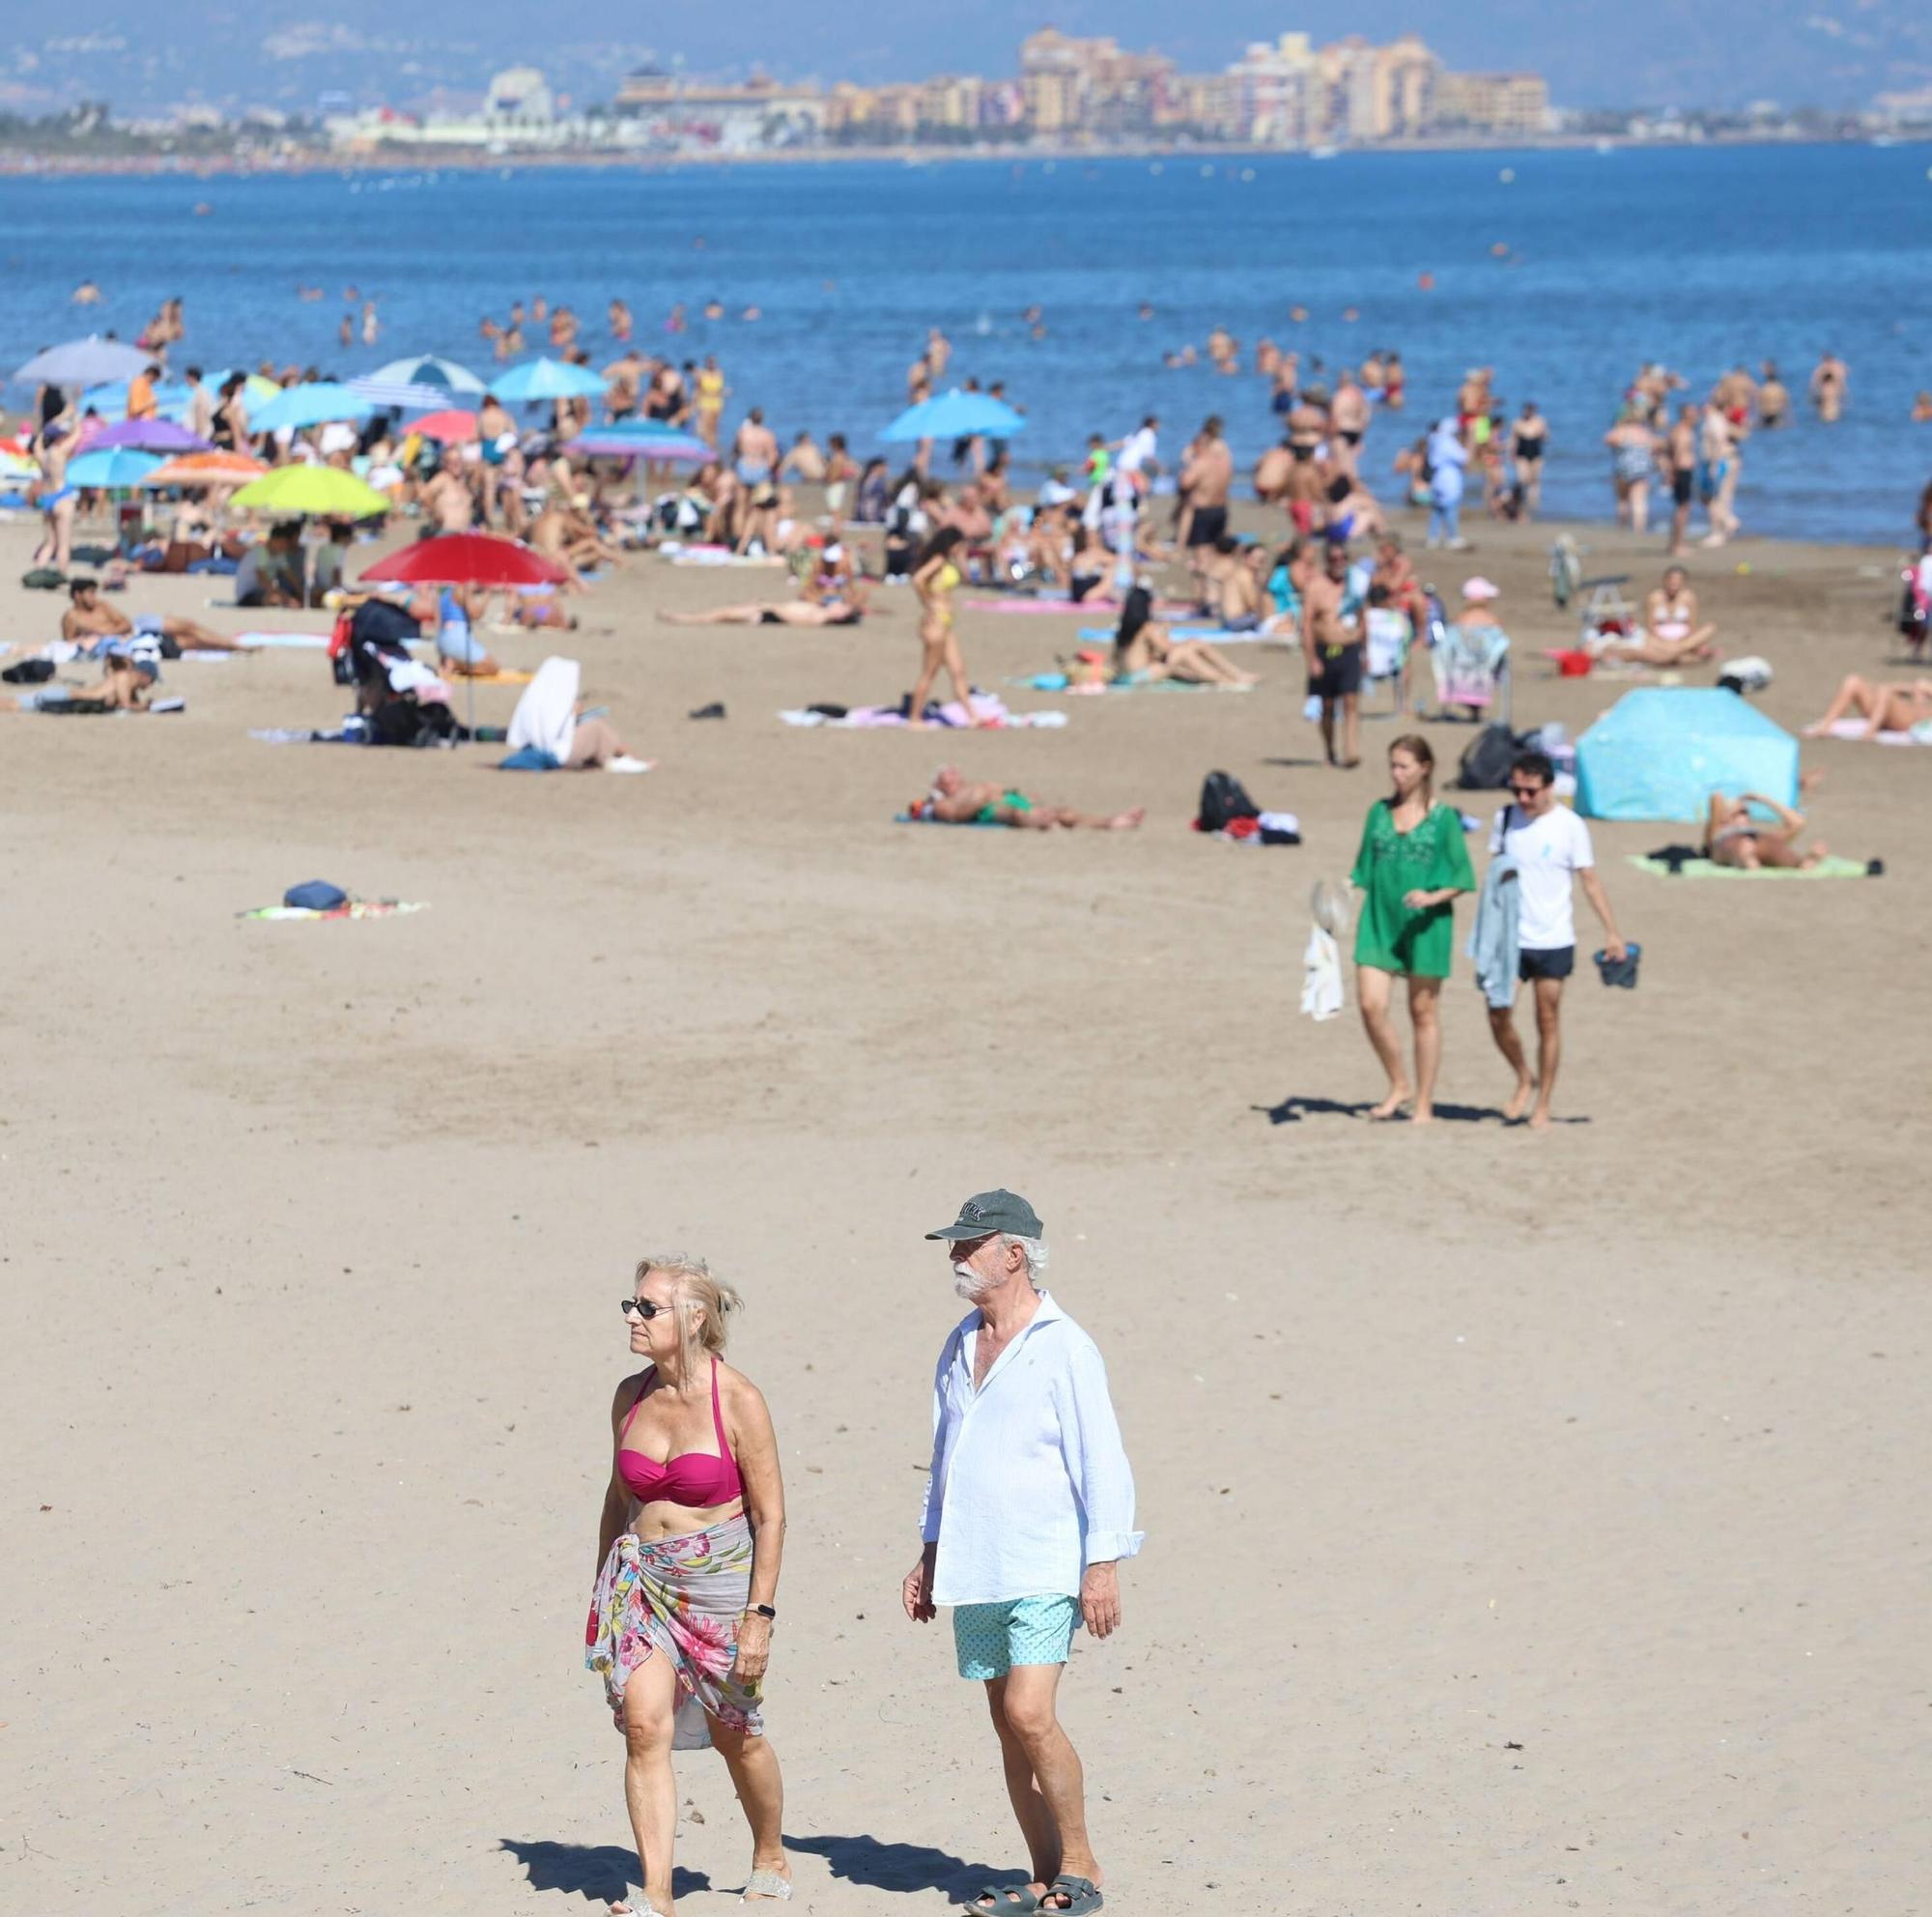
(1854, 694)
(934, 653)
(1196, 659)
(718, 615)
(1423, 996)
(754, 1774)
(650, 1791)
(956, 671)
(1372, 994)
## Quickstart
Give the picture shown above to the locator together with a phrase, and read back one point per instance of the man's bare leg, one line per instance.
(1039, 1833)
(1548, 1046)
(1503, 1028)
(1352, 737)
(191, 634)
(1027, 1703)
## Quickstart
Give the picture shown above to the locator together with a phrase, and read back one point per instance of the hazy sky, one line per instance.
(1595, 52)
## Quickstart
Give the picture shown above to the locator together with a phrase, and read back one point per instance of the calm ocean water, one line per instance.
(1701, 258)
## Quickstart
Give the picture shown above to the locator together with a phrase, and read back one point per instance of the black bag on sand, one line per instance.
(1486, 759)
(29, 672)
(1222, 800)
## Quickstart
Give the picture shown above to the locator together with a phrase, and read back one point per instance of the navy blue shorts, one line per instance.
(1558, 962)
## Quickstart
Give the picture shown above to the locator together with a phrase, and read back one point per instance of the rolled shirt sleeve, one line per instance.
(1096, 1460)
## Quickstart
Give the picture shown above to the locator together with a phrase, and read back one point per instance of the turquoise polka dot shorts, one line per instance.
(990, 1639)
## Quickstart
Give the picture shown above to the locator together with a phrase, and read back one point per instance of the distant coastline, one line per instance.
(405, 160)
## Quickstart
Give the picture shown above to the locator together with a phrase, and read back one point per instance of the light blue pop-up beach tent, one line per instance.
(1661, 752)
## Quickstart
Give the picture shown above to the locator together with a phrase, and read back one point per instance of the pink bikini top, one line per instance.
(697, 1479)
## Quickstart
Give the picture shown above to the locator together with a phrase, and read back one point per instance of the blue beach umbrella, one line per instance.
(110, 400)
(84, 363)
(956, 415)
(112, 469)
(313, 405)
(547, 379)
(427, 369)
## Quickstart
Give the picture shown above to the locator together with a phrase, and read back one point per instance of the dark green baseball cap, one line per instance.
(988, 1212)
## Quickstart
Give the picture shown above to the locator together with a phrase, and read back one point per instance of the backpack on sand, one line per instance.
(1222, 800)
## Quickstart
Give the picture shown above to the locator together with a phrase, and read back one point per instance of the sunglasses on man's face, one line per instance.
(1525, 791)
(644, 1308)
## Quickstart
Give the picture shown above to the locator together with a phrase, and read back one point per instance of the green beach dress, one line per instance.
(1389, 937)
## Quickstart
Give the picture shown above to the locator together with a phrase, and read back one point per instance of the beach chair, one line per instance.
(1471, 668)
(1565, 569)
(1604, 607)
(1385, 646)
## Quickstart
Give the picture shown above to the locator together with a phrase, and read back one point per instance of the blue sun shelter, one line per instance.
(1661, 752)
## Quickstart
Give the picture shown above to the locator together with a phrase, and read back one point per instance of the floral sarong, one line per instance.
(682, 1596)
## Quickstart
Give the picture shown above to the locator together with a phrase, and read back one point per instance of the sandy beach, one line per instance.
(1530, 1520)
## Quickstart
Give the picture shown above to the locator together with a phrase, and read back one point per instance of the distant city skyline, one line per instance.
(1613, 53)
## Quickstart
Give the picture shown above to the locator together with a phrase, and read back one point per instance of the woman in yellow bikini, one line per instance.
(710, 400)
(936, 578)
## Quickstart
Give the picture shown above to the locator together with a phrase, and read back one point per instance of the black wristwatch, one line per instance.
(765, 1609)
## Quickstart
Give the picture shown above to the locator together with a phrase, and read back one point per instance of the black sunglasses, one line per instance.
(643, 1307)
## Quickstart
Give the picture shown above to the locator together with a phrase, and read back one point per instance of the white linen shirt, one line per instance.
(1030, 1482)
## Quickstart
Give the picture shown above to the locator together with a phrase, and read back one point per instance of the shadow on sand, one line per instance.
(1291, 1110)
(903, 1867)
(597, 1872)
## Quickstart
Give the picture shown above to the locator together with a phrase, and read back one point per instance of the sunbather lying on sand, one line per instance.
(88, 618)
(1734, 837)
(785, 612)
(1145, 653)
(1885, 708)
(957, 800)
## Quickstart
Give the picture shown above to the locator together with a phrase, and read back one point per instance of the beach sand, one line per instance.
(1529, 1518)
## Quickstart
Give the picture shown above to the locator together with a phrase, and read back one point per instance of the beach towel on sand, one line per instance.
(1213, 635)
(353, 908)
(1832, 867)
(1853, 731)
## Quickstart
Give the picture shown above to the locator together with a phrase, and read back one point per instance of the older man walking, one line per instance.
(1028, 1509)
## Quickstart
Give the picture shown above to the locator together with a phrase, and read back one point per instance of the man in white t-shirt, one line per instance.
(1138, 449)
(1549, 844)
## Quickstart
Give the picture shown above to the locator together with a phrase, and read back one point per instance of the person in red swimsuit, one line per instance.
(691, 1532)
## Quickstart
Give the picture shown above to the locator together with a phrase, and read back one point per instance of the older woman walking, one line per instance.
(691, 1532)
(1411, 865)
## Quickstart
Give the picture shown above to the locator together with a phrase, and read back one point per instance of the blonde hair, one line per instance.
(702, 1303)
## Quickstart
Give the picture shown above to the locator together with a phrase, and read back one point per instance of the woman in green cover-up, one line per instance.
(1411, 866)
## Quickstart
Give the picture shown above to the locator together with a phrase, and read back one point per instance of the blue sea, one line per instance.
(1702, 258)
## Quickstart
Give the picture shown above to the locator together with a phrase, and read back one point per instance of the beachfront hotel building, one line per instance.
(1070, 92)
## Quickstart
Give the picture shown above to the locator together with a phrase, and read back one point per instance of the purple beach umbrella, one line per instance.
(148, 436)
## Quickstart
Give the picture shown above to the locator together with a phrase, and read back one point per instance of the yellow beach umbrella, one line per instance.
(321, 491)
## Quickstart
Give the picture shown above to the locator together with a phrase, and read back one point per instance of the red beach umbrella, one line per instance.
(449, 426)
(467, 558)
